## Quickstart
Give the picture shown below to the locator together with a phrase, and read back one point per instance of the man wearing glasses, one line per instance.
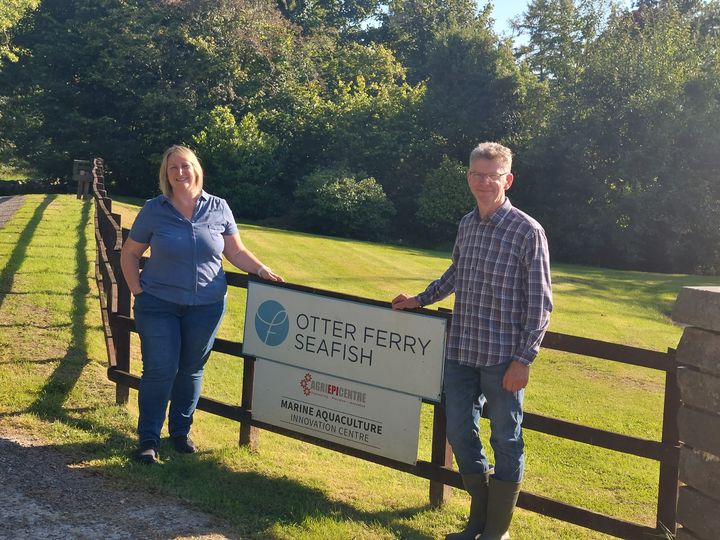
(500, 274)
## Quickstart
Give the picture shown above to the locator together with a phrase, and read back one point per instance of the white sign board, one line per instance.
(353, 414)
(397, 350)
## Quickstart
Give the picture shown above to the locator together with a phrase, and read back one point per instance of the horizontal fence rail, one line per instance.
(118, 325)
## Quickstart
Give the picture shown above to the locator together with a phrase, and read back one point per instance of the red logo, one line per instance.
(305, 383)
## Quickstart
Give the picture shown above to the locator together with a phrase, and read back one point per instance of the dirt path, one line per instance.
(43, 495)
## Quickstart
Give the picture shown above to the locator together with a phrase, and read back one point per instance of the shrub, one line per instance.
(338, 202)
(444, 198)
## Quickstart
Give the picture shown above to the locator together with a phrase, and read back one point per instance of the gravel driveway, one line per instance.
(43, 496)
(8, 206)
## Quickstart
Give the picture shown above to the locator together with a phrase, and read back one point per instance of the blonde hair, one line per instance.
(492, 150)
(188, 154)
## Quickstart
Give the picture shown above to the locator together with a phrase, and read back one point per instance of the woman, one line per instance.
(180, 295)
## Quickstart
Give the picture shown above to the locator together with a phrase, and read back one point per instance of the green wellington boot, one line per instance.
(502, 497)
(477, 486)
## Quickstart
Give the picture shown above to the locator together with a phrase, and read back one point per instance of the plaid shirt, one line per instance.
(500, 274)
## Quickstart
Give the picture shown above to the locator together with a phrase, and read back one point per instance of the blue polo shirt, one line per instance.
(185, 265)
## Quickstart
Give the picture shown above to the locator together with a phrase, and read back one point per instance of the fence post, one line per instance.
(249, 435)
(441, 455)
(121, 333)
(698, 357)
(669, 472)
(441, 451)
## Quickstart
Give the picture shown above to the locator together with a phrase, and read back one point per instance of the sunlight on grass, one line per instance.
(53, 382)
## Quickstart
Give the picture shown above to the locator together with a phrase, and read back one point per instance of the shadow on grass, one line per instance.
(56, 390)
(49, 497)
(254, 503)
(652, 289)
(19, 251)
(50, 403)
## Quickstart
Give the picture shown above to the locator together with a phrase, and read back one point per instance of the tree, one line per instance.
(345, 16)
(558, 33)
(11, 13)
(140, 76)
(356, 110)
(476, 91)
(239, 162)
(627, 175)
(410, 28)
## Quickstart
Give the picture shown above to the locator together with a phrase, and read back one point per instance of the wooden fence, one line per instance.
(118, 325)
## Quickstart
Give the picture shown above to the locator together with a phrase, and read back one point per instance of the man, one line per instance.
(84, 181)
(500, 274)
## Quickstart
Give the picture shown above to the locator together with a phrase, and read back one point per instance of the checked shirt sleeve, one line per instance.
(441, 287)
(539, 297)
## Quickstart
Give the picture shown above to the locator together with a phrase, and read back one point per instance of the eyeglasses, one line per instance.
(494, 177)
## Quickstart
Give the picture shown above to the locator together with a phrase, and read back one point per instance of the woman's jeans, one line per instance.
(176, 341)
(467, 391)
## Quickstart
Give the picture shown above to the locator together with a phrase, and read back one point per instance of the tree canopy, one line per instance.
(356, 117)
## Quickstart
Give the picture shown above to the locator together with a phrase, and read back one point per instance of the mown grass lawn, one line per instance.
(53, 382)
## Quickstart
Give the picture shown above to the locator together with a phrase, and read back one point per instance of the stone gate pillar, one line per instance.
(698, 357)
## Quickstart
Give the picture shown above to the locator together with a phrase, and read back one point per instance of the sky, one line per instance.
(504, 10)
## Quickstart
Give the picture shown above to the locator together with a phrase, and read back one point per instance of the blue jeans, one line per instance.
(467, 391)
(176, 341)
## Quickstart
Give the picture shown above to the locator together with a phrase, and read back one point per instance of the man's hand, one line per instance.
(516, 376)
(403, 301)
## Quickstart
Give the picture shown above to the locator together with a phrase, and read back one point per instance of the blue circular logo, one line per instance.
(271, 323)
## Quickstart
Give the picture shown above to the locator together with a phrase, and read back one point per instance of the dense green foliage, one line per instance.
(626, 172)
(240, 161)
(11, 13)
(444, 199)
(613, 113)
(336, 201)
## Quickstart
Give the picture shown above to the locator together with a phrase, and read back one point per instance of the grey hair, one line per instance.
(492, 150)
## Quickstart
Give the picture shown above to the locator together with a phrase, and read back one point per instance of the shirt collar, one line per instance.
(497, 216)
(203, 197)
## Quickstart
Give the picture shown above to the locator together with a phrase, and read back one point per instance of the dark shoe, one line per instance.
(147, 453)
(184, 445)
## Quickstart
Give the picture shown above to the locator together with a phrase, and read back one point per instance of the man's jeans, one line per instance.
(467, 390)
(176, 342)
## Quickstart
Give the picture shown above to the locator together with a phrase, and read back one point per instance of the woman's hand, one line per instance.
(265, 273)
(130, 263)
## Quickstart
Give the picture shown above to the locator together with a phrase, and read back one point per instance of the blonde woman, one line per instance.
(180, 295)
